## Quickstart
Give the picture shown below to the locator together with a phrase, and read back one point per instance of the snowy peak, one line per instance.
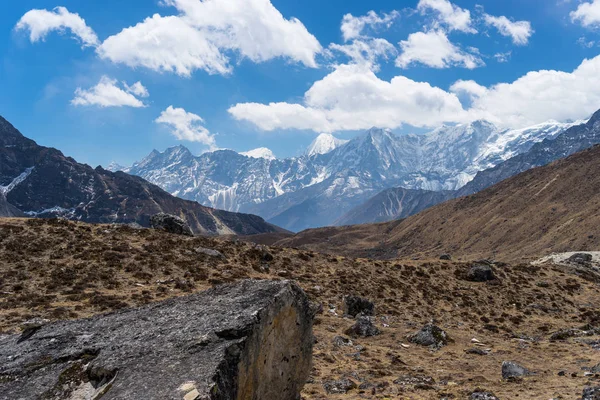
(323, 144)
(114, 167)
(261, 152)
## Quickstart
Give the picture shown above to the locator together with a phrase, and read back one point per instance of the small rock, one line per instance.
(591, 393)
(209, 252)
(479, 352)
(562, 373)
(446, 257)
(355, 305)
(415, 380)
(580, 258)
(482, 395)
(341, 386)
(340, 341)
(511, 370)
(363, 327)
(430, 335)
(481, 273)
(171, 224)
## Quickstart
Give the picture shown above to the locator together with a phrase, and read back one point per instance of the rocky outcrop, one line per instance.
(170, 223)
(251, 340)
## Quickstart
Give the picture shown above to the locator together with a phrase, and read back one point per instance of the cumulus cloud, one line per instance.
(186, 126)
(366, 51)
(587, 14)
(352, 97)
(434, 49)
(353, 27)
(137, 89)
(542, 95)
(107, 93)
(41, 22)
(450, 15)
(204, 34)
(518, 31)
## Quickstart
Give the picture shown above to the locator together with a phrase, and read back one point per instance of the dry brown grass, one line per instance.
(61, 270)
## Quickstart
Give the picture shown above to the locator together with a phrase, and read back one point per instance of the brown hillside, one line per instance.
(59, 269)
(554, 208)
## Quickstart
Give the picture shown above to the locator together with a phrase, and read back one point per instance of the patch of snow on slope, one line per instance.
(19, 179)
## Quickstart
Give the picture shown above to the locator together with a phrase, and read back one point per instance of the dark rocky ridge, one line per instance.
(53, 185)
(251, 340)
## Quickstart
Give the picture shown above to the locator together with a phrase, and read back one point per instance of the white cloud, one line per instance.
(204, 34)
(107, 94)
(186, 126)
(137, 89)
(352, 27)
(469, 88)
(352, 97)
(587, 14)
(41, 22)
(539, 96)
(503, 57)
(366, 51)
(519, 31)
(454, 17)
(434, 49)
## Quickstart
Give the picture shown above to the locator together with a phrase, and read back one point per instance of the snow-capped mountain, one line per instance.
(261, 152)
(324, 143)
(316, 189)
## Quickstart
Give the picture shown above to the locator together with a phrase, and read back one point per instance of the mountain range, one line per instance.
(333, 177)
(548, 209)
(397, 203)
(38, 181)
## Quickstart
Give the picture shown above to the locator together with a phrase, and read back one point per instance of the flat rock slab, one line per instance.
(250, 340)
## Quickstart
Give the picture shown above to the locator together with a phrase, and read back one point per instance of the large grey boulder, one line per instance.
(250, 340)
(170, 223)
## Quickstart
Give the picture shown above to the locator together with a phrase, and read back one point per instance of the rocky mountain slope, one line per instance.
(554, 208)
(289, 191)
(41, 182)
(382, 207)
(525, 314)
(391, 204)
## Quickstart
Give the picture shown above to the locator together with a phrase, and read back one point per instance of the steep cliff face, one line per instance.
(42, 182)
(250, 340)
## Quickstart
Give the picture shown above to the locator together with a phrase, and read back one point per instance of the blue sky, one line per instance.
(274, 73)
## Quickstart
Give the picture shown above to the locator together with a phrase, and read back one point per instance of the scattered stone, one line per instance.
(512, 370)
(419, 379)
(355, 305)
(562, 373)
(446, 257)
(478, 394)
(479, 352)
(481, 273)
(259, 346)
(171, 224)
(341, 386)
(580, 258)
(341, 341)
(363, 328)
(430, 335)
(209, 252)
(591, 393)
(565, 334)
(595, 369)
